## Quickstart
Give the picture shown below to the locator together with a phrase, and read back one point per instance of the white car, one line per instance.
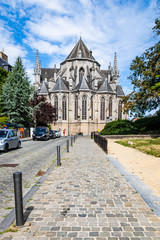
(9, 139)
(57, 133)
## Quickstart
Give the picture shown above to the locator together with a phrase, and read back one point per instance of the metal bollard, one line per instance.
(17, 178)
(68, 145)
(74, 139)
(58, 156)
(71, 141)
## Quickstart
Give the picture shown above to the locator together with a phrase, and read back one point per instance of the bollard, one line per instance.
(58, 156)
(71, 141)
(68, 145)
(17, 178)
(74, 138)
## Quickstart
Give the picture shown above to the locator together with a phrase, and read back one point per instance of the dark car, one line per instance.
(52, 134)
(9, 139)
(41, 133)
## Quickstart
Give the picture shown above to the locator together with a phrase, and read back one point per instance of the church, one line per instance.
(85, 96)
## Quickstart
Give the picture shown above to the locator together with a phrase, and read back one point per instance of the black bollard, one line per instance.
(74, 139)
(68, 145)
(71, 141)
(58, 156)
(17, 178)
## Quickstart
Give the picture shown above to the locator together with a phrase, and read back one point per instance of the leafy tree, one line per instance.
(16, 95)
(145, 77)
(42, 112)
(3, 76)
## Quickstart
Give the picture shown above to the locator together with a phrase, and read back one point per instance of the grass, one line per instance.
(149, 146)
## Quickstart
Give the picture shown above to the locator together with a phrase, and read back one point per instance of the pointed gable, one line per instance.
(80, 51)
(61, 86)
(44, 89)
(83, 85)
(105, 87)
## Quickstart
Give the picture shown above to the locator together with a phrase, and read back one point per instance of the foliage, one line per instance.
(3, 120)
(119, 127)
(42, 111)
(145, 77)
(148, 124)
(3, 76)
(149, 146)
(16, 95)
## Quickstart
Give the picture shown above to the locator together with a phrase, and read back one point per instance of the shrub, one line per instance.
(119, 127)
(148, 124)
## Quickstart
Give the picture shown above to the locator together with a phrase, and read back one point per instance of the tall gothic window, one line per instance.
(110, 107)
(120, 110)
(64, 108)
(84, 107)
(102, 110)
(92, 108)
(81, 73)
(56, 106)
(76, 108)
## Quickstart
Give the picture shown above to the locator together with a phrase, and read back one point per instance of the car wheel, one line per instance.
(19, 145)
(6, 148)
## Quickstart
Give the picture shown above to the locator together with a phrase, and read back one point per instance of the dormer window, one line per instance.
(80, 54)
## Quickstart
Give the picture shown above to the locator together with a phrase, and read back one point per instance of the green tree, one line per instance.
(145, 77)
(3, 76)
(16, 94)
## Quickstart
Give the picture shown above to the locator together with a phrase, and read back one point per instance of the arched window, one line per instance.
(92, 108)
(76, 108)
(64, 108)
(56, 106)
(110, 107)
(84, 107)
(120, 110)
(102, 109)
(81, 73)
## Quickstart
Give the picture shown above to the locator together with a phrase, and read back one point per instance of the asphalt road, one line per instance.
(32, 157)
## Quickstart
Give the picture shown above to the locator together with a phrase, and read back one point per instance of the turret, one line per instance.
(37, 71)
(115, 69)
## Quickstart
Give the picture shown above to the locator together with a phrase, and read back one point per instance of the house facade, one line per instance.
(85, 97)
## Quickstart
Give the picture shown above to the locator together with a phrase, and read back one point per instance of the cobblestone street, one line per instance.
(87, 198)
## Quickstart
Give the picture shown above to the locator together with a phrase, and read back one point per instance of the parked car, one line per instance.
(57, 133)
(9, 139)
(52, 134)
(41, 133)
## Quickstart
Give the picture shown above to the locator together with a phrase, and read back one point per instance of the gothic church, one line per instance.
(85, 97)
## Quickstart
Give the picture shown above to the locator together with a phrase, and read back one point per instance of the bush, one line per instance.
(119, 127)
(148, 124)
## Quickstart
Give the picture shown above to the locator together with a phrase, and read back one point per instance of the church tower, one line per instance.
(37, 72)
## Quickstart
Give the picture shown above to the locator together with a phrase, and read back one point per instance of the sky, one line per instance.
(54, 26)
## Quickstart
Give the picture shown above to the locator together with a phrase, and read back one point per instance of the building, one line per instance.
(85, 97)
(4, 61)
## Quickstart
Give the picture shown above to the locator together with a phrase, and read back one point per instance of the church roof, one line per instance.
(119, 91)
(83, 85)
(61, 85)
(44, 88)
(105, 87)
(48, 72)
(80, 48)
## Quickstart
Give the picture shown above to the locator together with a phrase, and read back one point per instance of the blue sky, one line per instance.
(54, 26)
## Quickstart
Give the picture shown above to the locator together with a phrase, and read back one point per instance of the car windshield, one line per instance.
(3, 134)
(51, 131)
(40, 130)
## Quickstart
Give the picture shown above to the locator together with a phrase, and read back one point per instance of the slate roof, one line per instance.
(61, 86)
(80, 46)
(5, 65)
(44, 88)
(48, 72)
(83, 85)
(119, 91)
(105, 87)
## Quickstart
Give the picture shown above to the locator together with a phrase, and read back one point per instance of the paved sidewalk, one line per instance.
(87, 198)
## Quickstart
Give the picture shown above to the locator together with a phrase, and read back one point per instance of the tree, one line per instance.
(145, 77)
(3, 76)
(16, 94)
(42, 112)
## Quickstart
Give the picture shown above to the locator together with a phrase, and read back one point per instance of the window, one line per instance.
(92, 108)
(120, 110)
(81, 73)
(56, 106)
(64, 108)
(110, 107)
(84, 107)
(102, 109)
(76, 108)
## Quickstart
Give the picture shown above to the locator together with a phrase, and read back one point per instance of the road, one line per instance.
(32, 157)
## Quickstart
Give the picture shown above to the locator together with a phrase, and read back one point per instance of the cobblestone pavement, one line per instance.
(35, 156)
(87, 198)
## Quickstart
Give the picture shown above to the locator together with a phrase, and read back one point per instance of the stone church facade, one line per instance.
(85, 97)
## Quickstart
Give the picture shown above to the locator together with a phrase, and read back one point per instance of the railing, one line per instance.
(101, 141)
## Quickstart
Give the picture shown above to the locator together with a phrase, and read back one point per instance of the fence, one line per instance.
(101, 141)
